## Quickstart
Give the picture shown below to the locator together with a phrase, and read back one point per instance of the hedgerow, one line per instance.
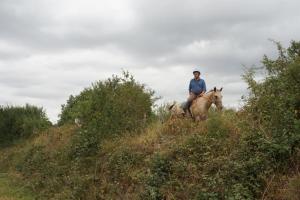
(21, 122)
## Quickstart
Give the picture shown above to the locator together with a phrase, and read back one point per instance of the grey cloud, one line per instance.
(50, 49)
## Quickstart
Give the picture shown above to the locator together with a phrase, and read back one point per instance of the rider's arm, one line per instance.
(204, 86)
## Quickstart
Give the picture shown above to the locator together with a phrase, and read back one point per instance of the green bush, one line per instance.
(121, 161)
(84, 144)
(17, 122)
(160, 169)
(111, 107)
(116, 105)
(272, 104)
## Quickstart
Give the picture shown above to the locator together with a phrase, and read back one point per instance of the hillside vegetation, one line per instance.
(10, 190)
(123, 149)
(21, 122)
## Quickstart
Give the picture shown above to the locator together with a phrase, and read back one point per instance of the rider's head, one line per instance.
(196, 73)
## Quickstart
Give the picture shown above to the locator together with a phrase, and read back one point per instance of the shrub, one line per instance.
(111, 107)
(116, 105)
(273, 101)
(17, 122)
(84, 144)
(121, 161)
(160, 169)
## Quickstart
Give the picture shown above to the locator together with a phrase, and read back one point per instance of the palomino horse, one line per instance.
(200, 106)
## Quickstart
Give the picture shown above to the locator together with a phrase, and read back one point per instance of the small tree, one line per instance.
(273, 102)
(112, 106)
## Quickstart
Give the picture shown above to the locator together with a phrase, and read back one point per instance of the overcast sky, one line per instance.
(50, 49)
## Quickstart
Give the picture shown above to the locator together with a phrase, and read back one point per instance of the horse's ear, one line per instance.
(221, 89)
(215, 89)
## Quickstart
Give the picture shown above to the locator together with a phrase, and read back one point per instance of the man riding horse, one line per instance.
(197, 87)
(197, 108)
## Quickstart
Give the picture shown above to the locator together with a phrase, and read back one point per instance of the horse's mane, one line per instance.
(210, 91)
(207, 93)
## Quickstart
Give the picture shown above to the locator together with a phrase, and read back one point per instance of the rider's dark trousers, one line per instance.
(189, 101)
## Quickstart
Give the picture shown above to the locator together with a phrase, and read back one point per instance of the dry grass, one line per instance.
(156, 138)
(114, 174)
(55, 138)
(285, 186)
(9, 191)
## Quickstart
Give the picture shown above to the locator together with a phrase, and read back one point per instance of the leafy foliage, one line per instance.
(17, 122)
(273, 103)
(160, 169)
(111, 107)
(116, 105)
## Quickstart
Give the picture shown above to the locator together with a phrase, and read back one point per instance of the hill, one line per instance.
(122, 151)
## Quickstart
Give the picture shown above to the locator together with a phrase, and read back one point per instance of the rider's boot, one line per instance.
(187, 110)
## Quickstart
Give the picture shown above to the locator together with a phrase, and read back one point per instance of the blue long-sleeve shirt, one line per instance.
(197, 86)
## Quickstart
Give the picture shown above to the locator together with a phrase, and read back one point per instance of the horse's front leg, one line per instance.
(204, 117)
(197, 118)
(200, 118)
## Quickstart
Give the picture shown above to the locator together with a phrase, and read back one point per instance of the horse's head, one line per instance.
(217, 98)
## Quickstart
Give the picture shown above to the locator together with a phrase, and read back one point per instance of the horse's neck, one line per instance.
(208, 99)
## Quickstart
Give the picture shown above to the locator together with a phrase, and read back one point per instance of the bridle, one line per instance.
(211, 99)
